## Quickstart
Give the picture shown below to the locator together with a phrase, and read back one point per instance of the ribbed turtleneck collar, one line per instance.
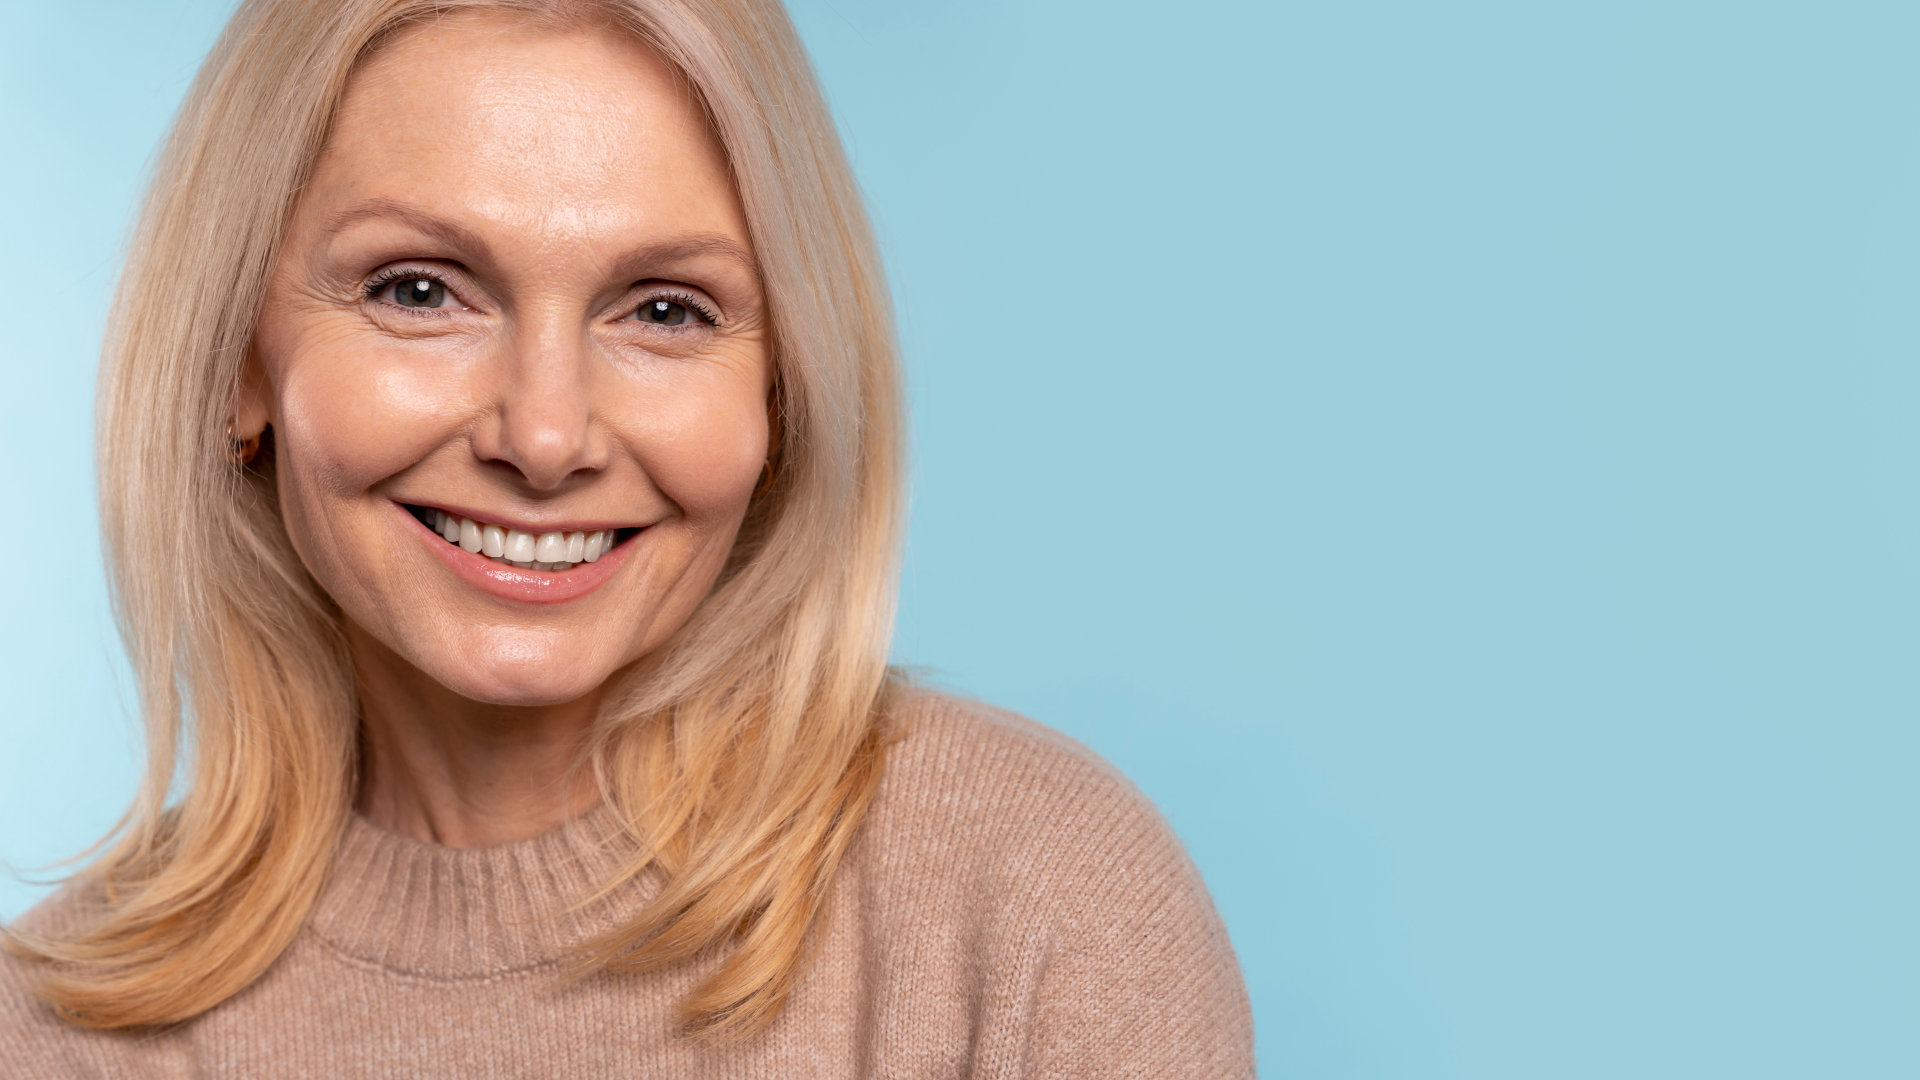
(451, 913)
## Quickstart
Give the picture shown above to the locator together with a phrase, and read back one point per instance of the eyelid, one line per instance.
(693, 301)
(384, 277)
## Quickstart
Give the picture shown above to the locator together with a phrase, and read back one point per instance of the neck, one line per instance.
(445, 769)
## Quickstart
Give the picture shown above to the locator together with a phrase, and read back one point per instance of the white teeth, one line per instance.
(542, 551)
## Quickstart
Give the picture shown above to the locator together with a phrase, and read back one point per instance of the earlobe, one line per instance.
(775, 438)
(251, 413)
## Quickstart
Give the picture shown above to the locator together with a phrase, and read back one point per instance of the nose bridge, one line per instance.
(543, 412)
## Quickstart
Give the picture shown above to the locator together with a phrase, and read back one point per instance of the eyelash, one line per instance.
(384, 278)
(684, 300)
(387, 277)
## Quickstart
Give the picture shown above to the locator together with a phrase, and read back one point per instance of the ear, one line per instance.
(253, 410)
(776, 430)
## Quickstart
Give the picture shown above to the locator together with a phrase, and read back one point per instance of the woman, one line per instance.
(501, 474)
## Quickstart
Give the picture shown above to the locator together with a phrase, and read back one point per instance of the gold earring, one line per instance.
(241, 450)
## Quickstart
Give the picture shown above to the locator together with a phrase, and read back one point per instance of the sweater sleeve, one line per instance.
(1074, 923)
(34, 1042)
(1140, 980)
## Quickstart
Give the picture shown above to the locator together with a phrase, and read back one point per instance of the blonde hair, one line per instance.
(742, 754)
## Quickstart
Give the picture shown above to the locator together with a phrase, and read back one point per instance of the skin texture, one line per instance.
(553, 182)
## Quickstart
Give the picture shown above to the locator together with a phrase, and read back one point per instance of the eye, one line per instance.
(416, 292)
(672, 310)
(662, 312)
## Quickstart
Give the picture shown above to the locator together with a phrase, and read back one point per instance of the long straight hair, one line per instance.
(741, 755)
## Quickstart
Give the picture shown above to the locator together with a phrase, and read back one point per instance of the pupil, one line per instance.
(665, 311)
(421, 292)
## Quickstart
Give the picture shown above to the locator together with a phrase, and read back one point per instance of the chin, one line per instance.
(520, 688)
(518, 679)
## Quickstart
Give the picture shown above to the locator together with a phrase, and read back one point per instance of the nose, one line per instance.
(541, 423)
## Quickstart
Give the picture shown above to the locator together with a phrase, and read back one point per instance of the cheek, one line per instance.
(704, 444)
(349, 418)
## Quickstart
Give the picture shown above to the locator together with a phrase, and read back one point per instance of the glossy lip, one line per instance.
(513, 583)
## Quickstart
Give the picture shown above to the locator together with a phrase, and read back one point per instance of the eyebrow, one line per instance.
(439, 228)
(460, 236)
(687, 247)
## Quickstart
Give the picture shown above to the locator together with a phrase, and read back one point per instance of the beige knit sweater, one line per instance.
(1014, 908)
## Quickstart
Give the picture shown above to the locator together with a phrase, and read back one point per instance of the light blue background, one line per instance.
(1456, 458)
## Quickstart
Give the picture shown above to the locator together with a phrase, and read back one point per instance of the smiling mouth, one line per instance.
(529, 551)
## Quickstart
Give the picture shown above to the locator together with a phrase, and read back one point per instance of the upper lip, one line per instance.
(505, 521)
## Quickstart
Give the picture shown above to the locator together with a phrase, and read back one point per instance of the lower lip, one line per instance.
(513, 583)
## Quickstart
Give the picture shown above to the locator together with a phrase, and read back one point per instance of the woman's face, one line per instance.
(516, 294)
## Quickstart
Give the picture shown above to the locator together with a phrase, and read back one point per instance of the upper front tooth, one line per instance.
(552, 548)
(576, 546)
(590, 549)
(450, 528)
(520, 546)
(469, 535)
(493, 541)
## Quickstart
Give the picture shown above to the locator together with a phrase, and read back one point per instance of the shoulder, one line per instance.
(32, 1037)
(61, 914)
(957, 761)
(995, 798)
(1007, 863)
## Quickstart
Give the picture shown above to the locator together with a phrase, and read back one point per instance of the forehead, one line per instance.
(503, 123)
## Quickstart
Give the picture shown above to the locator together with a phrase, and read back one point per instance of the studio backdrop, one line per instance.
(1458, 459)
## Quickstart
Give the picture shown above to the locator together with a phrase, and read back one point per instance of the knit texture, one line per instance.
(1012, 908)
